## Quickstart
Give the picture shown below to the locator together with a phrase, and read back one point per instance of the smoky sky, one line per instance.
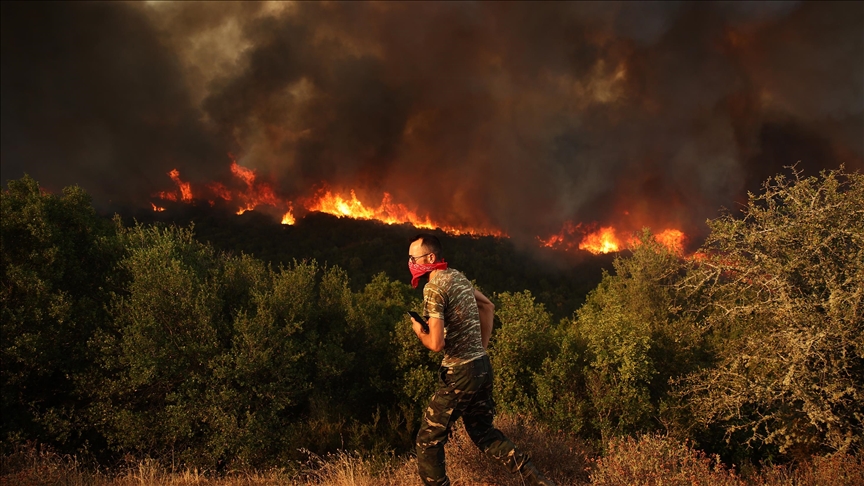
(519, 116)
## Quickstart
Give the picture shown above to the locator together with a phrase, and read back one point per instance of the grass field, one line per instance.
(648, 460)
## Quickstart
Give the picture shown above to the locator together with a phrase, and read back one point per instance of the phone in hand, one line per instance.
(420, 319)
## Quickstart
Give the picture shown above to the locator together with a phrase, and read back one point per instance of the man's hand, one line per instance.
(435, 339)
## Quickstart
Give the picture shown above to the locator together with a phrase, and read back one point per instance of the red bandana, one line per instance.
(420, 269)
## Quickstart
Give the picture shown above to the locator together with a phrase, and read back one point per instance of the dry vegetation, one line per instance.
(648, 460)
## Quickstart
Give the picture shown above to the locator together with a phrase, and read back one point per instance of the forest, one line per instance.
(224, 343)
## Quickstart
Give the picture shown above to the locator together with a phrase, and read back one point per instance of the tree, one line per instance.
(58, 258)
(781, 290)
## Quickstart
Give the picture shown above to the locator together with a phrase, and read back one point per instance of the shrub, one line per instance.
(57, 266)
(658, 460)
(782, 292)
(518, 348)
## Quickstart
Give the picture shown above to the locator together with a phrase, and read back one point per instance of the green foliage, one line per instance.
(518, 348)
(217, 359)
(57, 260)
(782, 288)
(610, 375)
(142, 339)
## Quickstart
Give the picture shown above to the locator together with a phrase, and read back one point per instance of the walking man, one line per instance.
(460, 323)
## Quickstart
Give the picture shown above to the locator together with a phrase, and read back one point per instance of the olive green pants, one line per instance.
(463, 391)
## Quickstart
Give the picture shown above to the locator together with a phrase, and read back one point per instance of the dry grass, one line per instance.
(648, 460)
(657, 460)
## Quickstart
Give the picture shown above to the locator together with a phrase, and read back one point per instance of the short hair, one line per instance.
(429, 242)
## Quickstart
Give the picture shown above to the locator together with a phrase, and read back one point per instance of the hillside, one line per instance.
(364, 248)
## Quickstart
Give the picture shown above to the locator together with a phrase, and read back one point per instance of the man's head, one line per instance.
(425, 248)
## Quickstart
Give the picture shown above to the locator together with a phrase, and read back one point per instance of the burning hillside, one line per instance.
(260, 195)
(570, 125)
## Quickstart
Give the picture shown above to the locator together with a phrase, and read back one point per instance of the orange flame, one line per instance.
(387, 212)
(601, 241)
(672, 239)
(185, 187)
(256, 193)
(606, 239)
(220, 190)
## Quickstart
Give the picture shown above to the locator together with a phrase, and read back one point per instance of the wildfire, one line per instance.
(247, 192)
(255, 194)
(673, 239)
(607, 240)
(185, 189)
(602, 241)
(387, 212)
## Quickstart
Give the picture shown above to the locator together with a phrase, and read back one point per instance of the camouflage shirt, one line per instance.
(450, 296)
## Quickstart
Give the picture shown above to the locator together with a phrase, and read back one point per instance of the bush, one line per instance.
(782, 292)
(57, 271)
(518, 348)
(614, 360)
(658, 460)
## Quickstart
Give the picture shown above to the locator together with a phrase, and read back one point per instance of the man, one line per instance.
(460, 323)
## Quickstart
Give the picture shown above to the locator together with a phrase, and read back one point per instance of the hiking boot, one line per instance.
(531, 476)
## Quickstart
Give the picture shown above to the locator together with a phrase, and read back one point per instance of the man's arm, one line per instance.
(435, 339)
(487, 314)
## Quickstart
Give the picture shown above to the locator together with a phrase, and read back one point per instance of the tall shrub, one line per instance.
(57, 262)
(783, 288)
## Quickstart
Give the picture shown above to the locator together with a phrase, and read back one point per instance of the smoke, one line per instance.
(512, 115)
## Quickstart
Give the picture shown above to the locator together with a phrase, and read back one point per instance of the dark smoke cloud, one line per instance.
(515, 115)
(90, 96)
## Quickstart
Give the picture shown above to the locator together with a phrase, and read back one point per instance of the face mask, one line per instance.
(420, 269)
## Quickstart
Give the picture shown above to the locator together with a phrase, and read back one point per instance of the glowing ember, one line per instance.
(156, 208)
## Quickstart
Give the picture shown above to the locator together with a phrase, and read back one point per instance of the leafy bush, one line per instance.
(58, 257)
(611, 372)
(782, 292)
(214, 359)
(521, 343)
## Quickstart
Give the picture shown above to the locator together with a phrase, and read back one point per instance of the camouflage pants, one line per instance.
(463, 391)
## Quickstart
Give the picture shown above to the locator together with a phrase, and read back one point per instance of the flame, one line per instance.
(185, 187)
(253, 193)
(220, 191)
(672, 239)
(256, 193)
(606, 239)
(387, 212)
(601, 241)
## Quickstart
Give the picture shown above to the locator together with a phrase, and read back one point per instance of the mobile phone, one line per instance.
(419, 319)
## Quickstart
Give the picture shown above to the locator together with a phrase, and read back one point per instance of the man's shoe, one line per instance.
(532, 476)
